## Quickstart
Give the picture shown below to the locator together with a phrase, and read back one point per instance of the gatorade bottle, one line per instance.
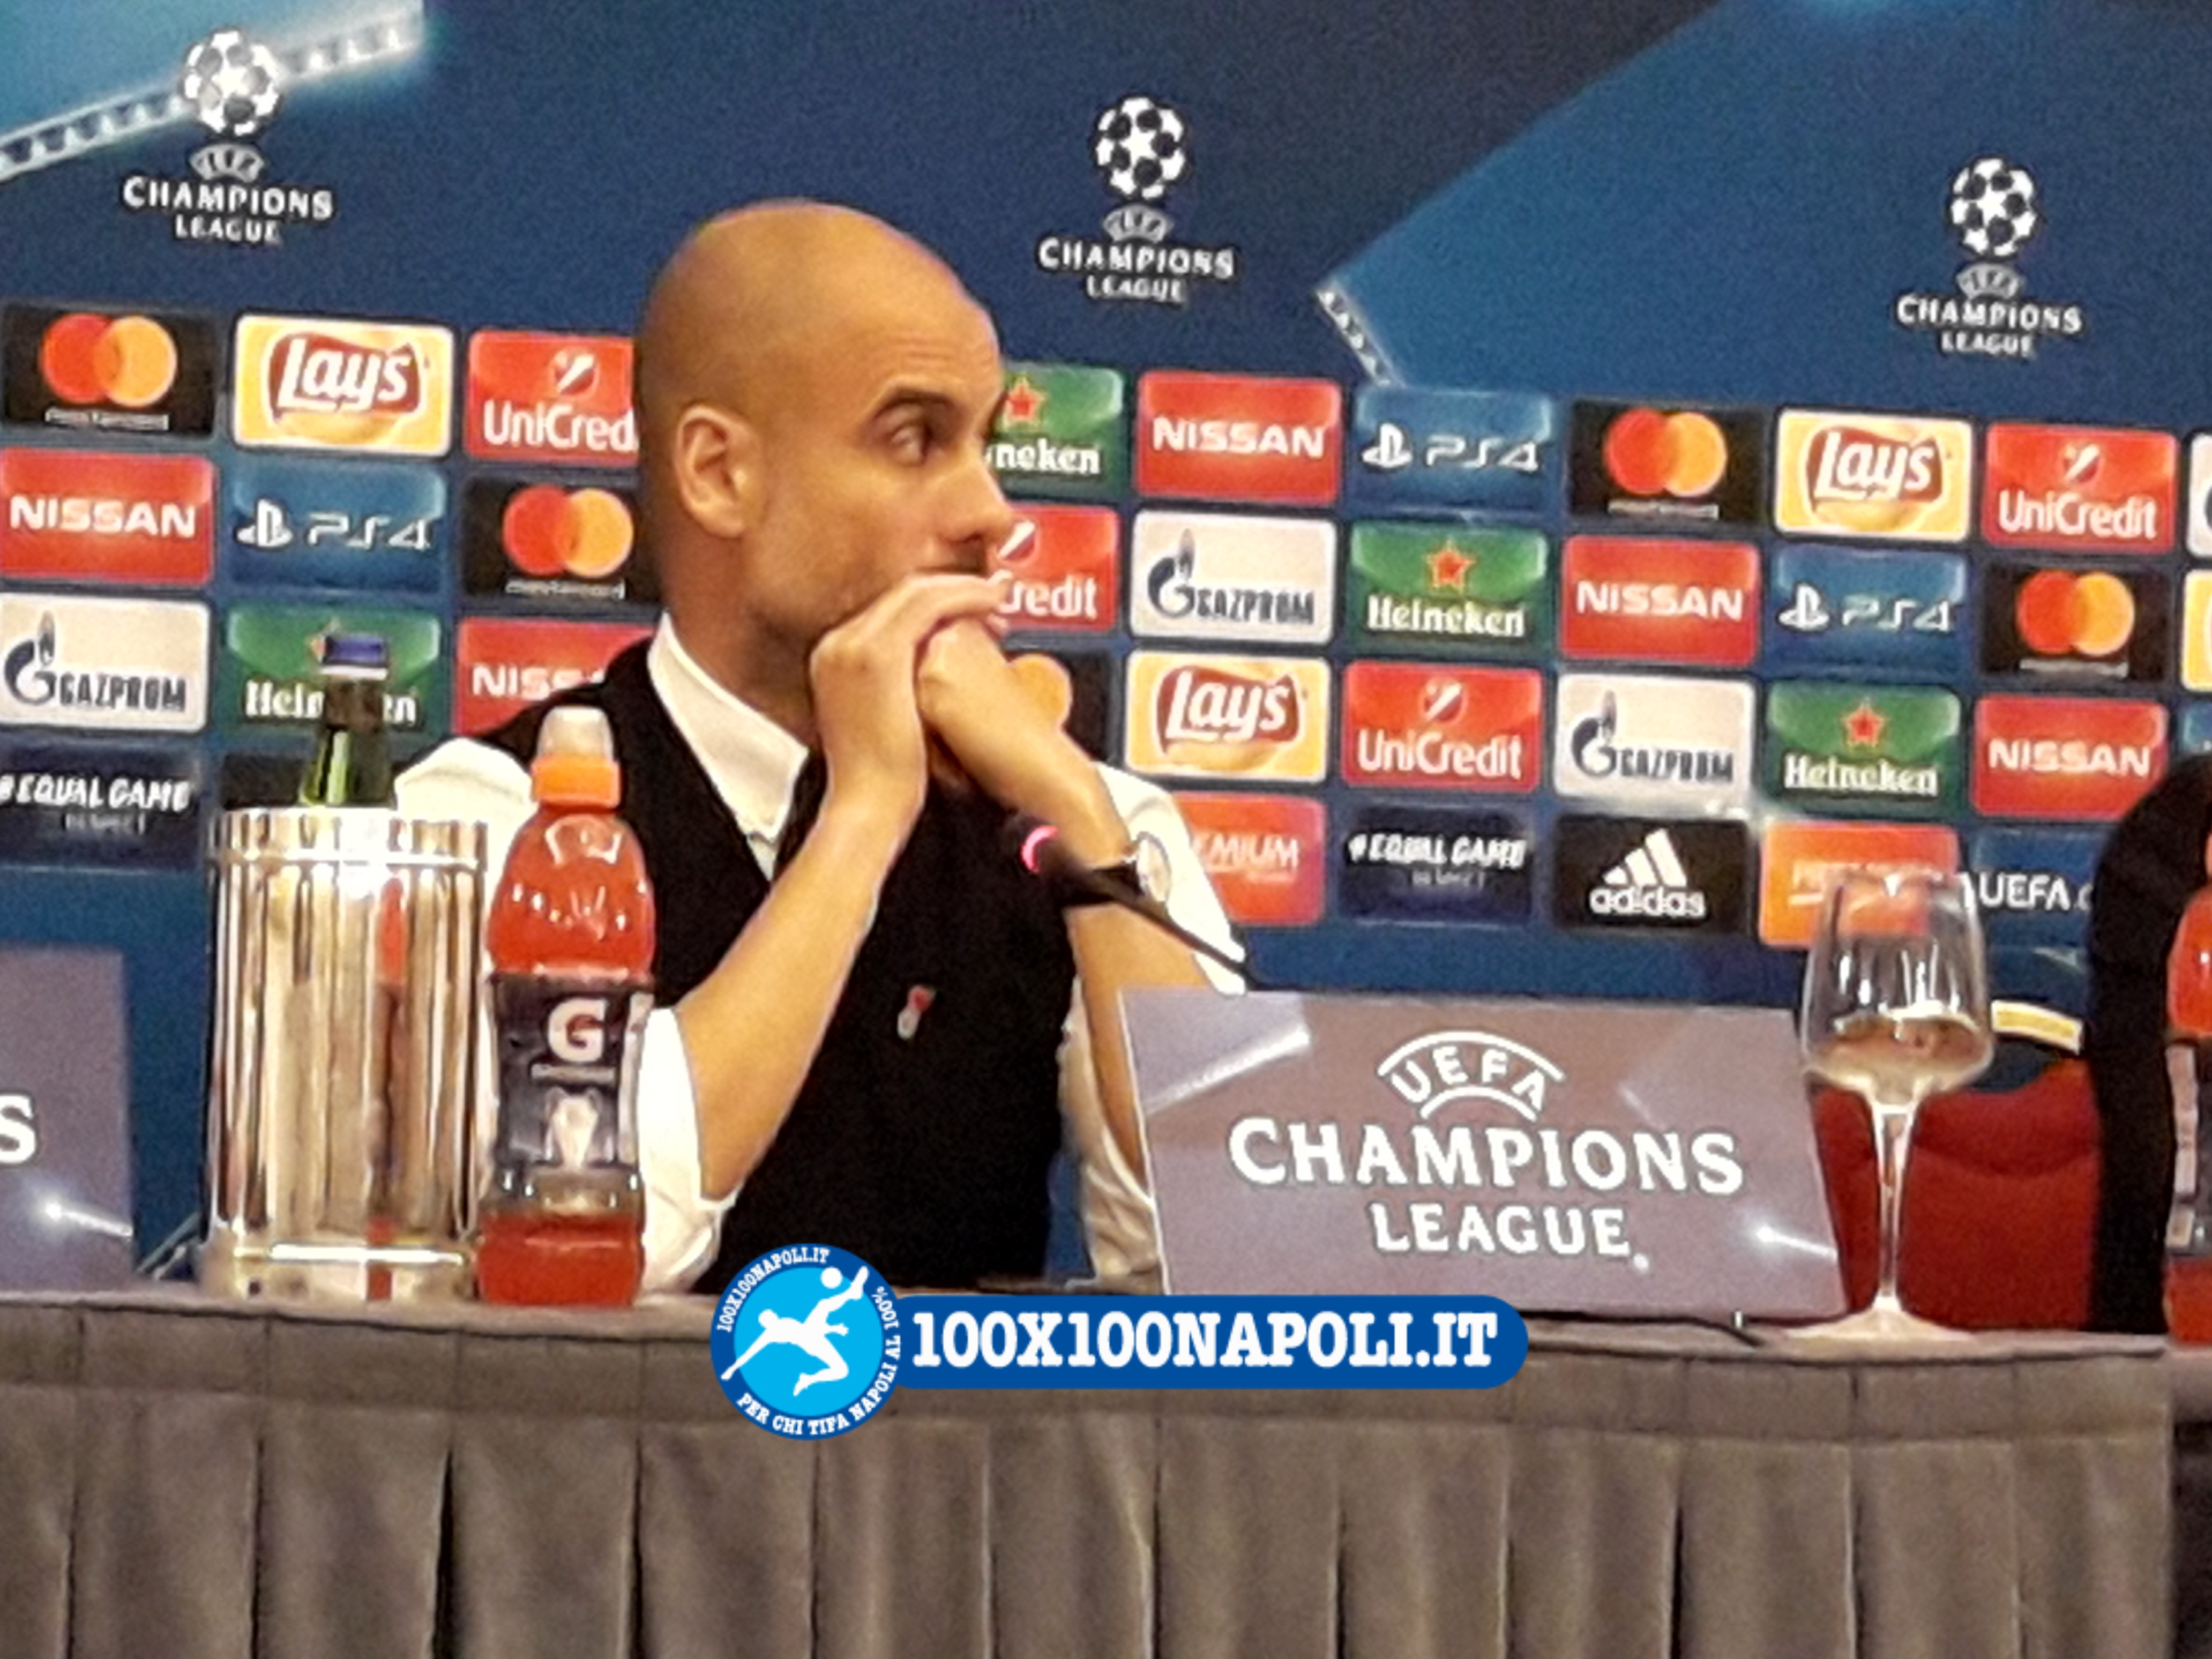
(570, 937)
(2189, 1068)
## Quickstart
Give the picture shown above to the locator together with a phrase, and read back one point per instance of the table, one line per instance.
(195, 1480)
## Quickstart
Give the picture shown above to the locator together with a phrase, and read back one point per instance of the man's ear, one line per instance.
(716, 458)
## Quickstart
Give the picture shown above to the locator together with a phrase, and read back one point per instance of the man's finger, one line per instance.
(920, 606)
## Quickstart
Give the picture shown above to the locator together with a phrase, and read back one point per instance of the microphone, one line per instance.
(1044, 855)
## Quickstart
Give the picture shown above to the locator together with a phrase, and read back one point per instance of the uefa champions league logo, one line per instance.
(232, 84)
(1140, 151)
(1994, 208)
(1141, 148)
(807, 1341)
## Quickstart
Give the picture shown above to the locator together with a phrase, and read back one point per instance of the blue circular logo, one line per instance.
(807, 1341)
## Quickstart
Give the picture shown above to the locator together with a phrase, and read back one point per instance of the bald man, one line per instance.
(883, 1029)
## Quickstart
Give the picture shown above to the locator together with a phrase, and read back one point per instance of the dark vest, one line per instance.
(925, 1155)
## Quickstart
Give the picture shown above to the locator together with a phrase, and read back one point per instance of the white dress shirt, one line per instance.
(753, 764)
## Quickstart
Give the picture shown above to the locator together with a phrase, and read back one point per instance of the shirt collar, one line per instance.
(752, 761)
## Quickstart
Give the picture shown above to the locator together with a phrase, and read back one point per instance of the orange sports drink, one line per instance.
(2189, 1021)
(570, 938)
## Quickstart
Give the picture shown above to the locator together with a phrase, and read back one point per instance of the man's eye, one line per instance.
(910, 442)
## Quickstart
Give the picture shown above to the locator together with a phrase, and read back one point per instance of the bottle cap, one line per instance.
(576, 764)
(358, 654)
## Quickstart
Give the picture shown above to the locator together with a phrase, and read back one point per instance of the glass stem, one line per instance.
(1892, 1135)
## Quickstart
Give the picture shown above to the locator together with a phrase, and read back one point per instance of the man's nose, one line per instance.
(982, 518)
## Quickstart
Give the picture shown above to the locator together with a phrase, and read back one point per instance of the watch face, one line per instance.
(1148, 856)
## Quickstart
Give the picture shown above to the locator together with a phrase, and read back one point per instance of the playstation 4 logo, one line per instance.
(273, 527)
(1389, 451)
(1392, 449)
(1807, 612)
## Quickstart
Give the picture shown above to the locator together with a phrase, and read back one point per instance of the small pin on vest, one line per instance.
(917, 1004)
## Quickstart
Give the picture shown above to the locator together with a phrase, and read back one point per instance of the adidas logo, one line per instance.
(1649, 883)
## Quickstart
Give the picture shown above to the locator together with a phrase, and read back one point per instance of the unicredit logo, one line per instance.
(1206, 705)
(313, 373)
(1433, 754)
(551, 398)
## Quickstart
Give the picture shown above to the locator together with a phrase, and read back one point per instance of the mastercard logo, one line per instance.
(1650, 453)
(547, 530)
(2066, 613)
(130, 361)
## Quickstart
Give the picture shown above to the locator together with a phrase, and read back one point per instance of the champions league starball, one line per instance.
(1140, 149)
(231, 82)
(1993, 208)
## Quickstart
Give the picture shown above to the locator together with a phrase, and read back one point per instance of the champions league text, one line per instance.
(1212, 1342)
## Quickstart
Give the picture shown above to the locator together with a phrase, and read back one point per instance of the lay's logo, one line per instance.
(1891, 478)
(1256, 717)
(323, 383)
(1212, 705)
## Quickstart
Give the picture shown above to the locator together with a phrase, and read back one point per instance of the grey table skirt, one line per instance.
(181, 1479)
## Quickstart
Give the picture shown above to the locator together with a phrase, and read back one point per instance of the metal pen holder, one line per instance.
(342, 1159)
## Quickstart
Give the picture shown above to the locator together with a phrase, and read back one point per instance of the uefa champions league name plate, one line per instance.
(1586, 1156)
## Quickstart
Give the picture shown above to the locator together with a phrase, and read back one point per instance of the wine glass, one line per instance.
(1896, 1009)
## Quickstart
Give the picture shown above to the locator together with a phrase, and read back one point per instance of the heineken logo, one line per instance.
(1875, 746)
(1463, 590)
(1062, 429)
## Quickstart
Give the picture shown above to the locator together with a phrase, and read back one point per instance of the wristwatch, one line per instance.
(1140, 874)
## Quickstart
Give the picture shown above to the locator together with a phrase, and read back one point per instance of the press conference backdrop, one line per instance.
(1542, 483)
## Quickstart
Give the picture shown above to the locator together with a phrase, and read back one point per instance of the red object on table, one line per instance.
(1999, 1218)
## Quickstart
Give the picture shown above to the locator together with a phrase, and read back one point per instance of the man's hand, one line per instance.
(975, 703)
(865, 675)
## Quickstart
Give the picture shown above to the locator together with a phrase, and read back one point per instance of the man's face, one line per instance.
(873, 454)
